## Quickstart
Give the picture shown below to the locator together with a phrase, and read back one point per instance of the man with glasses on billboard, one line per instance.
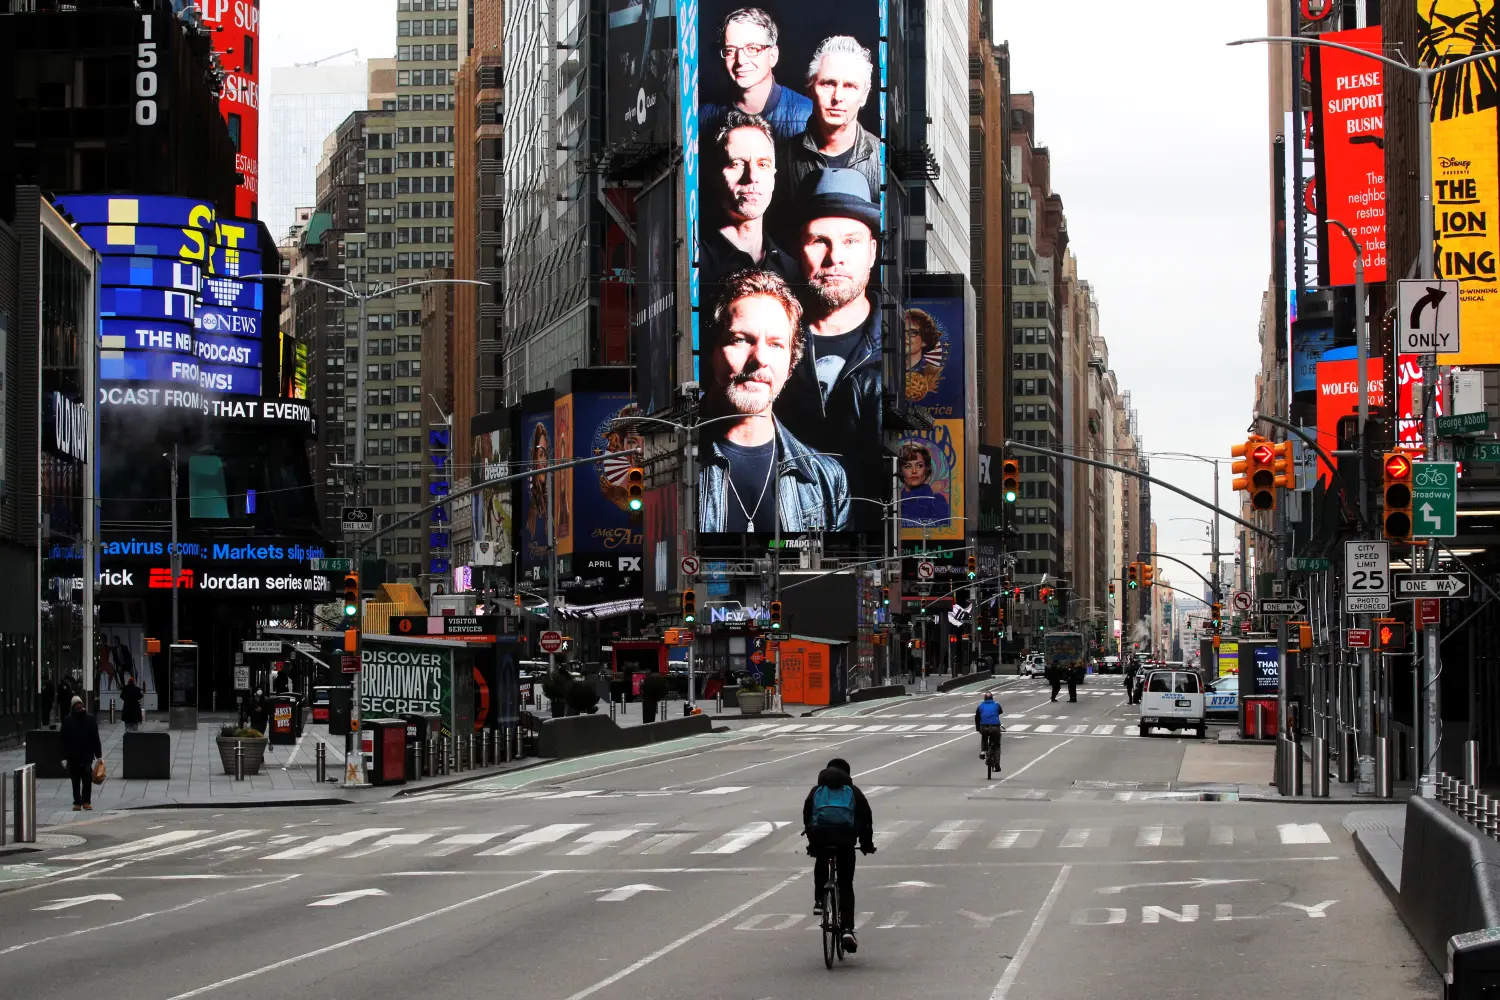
(754, 470)
(839, 78)
(747, 161)
(832, 401)
(747, 44)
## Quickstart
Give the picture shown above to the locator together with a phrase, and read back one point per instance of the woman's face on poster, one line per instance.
(914, 471)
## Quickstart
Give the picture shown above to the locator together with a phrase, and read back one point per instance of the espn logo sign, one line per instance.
(160, 578)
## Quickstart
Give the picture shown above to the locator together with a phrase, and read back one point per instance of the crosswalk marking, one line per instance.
(948, 835)
(818, 728)
(660, 843)
(394, 840)
(1159, 836)
(524, 842)
(933, 729)
(722, 790)
(902, 729)
(845, 729)
(741, 837)
(1075, 730)
(874, 729)
(887, 832)
(196, 845)
(1021, 728)
(1103, 730)
(1224, 836)
(1048, 728)
(136, 846)
(1083, 836)
(323, 845)
(457, 842)
(1302, 833)
(597, 840)
(1017, 838)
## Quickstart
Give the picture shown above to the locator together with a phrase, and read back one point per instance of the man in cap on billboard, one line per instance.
(754, 470)
(832, 401)
(747, 160)
(839, 78)
(747, 44)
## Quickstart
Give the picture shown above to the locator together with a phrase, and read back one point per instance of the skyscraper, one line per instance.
(303, 105)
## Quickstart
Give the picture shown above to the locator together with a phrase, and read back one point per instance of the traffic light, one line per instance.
(690, 605)
(1284, 466)
(635, 487)
(1016, 594)
(1148, 575)
(1389, 635)
(351, 600)
(1111, 588)
(1000, 616)
(973, 567)
(1044, 594)
(1396, 519)
(1255, 471)
(776, 615)
(1133, 576)
(885, 597)
(517, 601)
(1218, 622)
(1010, 479)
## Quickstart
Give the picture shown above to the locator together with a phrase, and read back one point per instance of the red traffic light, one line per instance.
(1263, 453)
(1397, 466)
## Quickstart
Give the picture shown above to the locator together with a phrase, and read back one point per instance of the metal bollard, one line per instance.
(430, 746)
(239, 762)
(1320, 767)
(444, 759)
(489, 747)
(1440, 788)
(469, 742)
(24, 829)
(1260, 720)
(413, 762)
(1471, 762)
(320, 756)
(1492, 818)
(111, 713)
(1472, 804)
(1383, 767)
(1295, 754)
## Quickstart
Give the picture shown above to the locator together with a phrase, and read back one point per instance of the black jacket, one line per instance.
(80, 738)
(131, 697)
(848, 423)
(864, 820)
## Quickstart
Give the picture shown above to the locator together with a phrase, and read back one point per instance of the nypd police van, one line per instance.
(1172, 699)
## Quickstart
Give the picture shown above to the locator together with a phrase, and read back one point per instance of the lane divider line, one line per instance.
(1008, 978)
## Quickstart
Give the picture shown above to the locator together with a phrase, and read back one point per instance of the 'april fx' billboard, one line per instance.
(785, 102)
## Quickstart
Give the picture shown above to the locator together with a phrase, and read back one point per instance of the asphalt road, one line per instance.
(1072, 875)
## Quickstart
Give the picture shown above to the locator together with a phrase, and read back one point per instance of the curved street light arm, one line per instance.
(1344, 491)
(1428, 71)
(1163, 555)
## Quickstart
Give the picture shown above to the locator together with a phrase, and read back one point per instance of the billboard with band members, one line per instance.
(785, 219)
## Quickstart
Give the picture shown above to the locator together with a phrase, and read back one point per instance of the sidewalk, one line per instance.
(288, 776)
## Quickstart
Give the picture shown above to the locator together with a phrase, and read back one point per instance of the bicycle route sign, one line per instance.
(1434, 499)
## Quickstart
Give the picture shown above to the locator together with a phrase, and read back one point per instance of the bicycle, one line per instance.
(991, 751)
(833, 934)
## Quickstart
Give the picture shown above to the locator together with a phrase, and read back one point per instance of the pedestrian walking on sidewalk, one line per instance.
(81, 747)
(131, 697)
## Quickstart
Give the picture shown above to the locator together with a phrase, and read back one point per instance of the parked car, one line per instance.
(1223, 696)
(1034, 666)
(1173, 699)
(1110, 665)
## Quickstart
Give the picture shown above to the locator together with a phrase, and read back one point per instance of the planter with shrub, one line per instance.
(752, 697)
(253, 742)
(582, 698)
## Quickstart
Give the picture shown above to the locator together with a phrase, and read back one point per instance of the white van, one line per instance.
(1173, 699)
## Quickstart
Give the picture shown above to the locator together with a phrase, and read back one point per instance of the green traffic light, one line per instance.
(635, 503)
(689, 617)
(1010, 496)
(350, 610)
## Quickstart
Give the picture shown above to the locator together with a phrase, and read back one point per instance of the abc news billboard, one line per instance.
(784, 135)
(176, 326)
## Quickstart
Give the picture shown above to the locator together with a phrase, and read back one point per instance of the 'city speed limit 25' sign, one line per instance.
(1367, 574)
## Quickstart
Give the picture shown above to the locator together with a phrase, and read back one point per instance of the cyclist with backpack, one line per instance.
(836, 817)
(987, 721)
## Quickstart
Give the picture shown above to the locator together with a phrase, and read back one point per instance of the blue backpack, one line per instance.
(833, 808)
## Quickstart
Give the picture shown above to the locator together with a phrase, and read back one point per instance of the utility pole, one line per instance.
(176, 552)
(1431, 724)
(551, 558)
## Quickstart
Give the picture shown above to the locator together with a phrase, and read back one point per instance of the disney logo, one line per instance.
(1450, 162)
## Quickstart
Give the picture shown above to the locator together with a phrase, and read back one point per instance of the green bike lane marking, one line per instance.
(27, 872)
(577, 765)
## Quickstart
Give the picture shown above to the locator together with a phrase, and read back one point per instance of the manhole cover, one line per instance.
(59, 840)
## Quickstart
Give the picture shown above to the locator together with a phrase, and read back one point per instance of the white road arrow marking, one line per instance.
(626, 891)
(908, 888)
(984, 922)
(64, 904)
(1196, 883)
(340, 898)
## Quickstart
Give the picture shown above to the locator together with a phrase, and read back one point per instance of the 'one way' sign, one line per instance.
(1427, 312)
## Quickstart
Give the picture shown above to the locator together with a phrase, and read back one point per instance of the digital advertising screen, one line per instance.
(930, 466)
(1353, 130)
(494, 520)
(642, 75)
(784, 220)
(1338, 397)
(235, 27)
(171, 312)
(656, 297)
(536, 451)
(1465, 168)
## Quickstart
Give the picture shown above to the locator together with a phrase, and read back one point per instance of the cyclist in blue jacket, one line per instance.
(987, 721)
(835, 817)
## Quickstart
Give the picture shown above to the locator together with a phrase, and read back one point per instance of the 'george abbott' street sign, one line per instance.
(1434, 499)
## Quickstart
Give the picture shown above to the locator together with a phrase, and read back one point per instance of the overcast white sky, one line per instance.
(1160, 154)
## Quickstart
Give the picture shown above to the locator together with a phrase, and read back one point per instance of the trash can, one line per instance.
(340, 710)
(383, 742)
(286, 719)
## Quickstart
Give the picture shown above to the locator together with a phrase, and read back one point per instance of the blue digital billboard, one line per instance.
(171, 310)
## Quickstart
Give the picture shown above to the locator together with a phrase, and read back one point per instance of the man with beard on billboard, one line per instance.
(839, 79)
(747, 44)
(754, 469)
(747, 161)
(832, 400)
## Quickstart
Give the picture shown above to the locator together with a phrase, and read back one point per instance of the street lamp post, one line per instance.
(357, 466)
(1425, 75)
